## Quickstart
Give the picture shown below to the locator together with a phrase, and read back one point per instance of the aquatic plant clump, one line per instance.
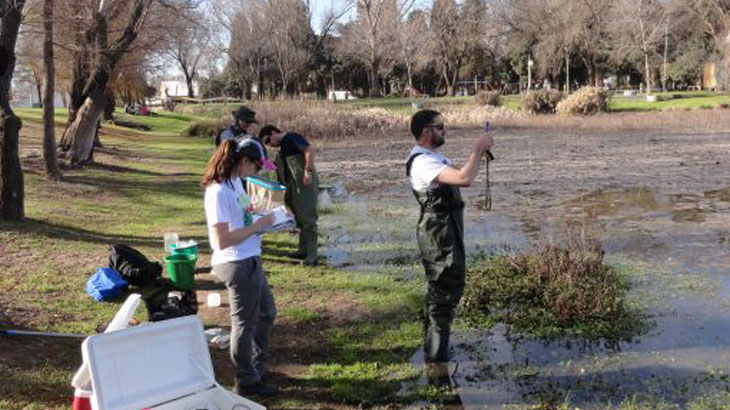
(553, 292)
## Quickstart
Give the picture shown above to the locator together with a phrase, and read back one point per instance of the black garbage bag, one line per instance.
(134, 267)
(164, 303)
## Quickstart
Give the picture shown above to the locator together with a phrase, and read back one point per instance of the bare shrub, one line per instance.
(586, 101)
(490, 98)
(473, 116)
(541, 101)
(323, 120)
(204, 128)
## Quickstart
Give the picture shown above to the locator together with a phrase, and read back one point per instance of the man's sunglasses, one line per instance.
(439, 127)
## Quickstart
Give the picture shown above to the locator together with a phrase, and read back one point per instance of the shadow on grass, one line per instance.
(58, 231)
(128, 170)
(165, 184)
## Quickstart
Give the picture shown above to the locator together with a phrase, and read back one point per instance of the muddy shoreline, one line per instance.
(658, 201)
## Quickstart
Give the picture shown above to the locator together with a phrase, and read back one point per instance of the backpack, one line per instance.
(133, 265)
(218, 141)
(105, 284)
(167, 303)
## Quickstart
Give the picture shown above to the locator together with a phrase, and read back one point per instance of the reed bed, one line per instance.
(326, 121)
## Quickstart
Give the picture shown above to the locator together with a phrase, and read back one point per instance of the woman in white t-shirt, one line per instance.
(236, 242)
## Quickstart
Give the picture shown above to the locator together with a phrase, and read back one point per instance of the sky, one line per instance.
(320, 7)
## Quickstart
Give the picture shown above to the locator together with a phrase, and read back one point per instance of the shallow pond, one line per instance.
(677, 248)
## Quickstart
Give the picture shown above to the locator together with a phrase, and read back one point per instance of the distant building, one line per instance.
(24, 94)
(339, 95)
(174, 88)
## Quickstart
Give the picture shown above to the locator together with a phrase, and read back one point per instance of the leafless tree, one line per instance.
(11, 175)
(639, 26)
(372, 38)
(50, 157)
(290, 38)
(714, 16)
(414, 44)
(246, 49)
(113, 27)
(188, 41)
(449, 47)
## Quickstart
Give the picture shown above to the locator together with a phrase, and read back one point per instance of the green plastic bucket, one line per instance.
(181, 270)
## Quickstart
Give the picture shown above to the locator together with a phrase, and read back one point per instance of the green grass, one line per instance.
(619, 103)
(404, 105)
(142, 185)
(299, 314)
(669, 100)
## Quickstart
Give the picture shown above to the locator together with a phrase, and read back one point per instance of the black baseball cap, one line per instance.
(254, 150)
(246, 114)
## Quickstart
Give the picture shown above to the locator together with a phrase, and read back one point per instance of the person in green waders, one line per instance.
(435, 183)
(295, 169)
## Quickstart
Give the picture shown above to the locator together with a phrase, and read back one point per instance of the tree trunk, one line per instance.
(374, 80)
(83, 131)
(567, 74)
(449, 86)
(11, 174)
(38, 88)
(409, 68)
(648, 73)
(189, 82)
(50, 157)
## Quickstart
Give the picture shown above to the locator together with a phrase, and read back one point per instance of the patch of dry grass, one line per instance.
(326, 121)
(695, 120)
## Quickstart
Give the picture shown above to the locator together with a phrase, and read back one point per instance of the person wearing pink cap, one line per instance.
(235, 237)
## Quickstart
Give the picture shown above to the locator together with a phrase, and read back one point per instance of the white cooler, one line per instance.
(163, 366)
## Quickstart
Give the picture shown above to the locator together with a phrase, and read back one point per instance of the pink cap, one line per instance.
(267, 165)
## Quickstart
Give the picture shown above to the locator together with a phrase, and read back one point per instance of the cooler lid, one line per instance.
(266, 183)
(148, 365)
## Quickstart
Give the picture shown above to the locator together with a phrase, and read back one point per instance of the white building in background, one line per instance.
(175, 88)
(337, 95)
(24, 94)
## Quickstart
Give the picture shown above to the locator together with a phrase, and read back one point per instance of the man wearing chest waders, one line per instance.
(435, 183)
(295, 169)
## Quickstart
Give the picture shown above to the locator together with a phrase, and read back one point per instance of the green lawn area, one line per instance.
(685, 99)
(141, 185)
(619, 103)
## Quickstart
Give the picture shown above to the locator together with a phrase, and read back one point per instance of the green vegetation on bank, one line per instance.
(554, 292)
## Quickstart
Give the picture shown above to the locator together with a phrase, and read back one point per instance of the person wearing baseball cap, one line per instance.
(243, 117)
(235, 237)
